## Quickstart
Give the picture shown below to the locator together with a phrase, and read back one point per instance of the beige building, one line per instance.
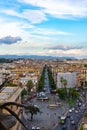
(81, 76)
(12, 94)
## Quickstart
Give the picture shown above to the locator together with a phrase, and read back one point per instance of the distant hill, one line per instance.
(34, 57)
(5, 60)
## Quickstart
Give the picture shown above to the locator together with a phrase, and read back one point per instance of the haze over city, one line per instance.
(43, 27)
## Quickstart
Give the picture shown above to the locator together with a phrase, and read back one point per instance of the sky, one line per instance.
(43, 27)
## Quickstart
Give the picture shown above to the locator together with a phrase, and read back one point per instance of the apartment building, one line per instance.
(33, 78)
(69, 76)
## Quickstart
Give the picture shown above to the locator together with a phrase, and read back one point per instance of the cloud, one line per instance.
(48, 32)
(65, 9)
(33, 48)
(10, 39)
(61, 8)
(75, 52)
(34, 16)
(64, 47)
(66, 50)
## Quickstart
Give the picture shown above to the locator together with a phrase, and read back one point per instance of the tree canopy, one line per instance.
(41, 81)
(51, 80)
(30, 85)
(32, 110)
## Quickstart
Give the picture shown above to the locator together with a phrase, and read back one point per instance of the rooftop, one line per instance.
(9, 94)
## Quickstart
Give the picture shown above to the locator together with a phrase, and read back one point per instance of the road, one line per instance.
(49, 118)
(76, 113)
(46, 82)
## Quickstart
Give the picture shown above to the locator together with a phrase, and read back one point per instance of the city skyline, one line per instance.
(43, 27)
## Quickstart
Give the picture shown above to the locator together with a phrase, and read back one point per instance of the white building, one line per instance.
(24, 80)
(4, 71)
(69, 76)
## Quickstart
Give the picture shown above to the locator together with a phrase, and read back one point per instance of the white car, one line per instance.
(38, 128)
(76, 111)
(33, 128)
(70, 110)
(79, 103)
(73, 108)
(73, 122)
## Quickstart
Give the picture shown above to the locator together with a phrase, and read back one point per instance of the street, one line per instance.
(76, 113)
(49, 118)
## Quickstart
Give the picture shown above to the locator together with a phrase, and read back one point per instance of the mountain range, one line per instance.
(34, 57)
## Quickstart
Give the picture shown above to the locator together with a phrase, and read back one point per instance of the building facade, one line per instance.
(69, 76)
(12, 94)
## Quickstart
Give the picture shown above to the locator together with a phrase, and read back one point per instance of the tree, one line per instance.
(20, 85)
(30, 85)
(82, 82)
(85, 65)
(10, 83)
(51, 80)
(32, 109)
(62, 93)
(24, 92)
(41, 81)
(61, 80)
(85, 115)
(64, 83)
(73, 94)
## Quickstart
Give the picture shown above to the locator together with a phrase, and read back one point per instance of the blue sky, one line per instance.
(43, 27)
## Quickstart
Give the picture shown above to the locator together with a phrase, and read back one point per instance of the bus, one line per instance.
(62, 119)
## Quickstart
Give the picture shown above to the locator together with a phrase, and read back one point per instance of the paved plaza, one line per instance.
(48, 118)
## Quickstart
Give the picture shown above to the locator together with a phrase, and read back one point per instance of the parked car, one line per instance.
(38, 128)
(76, 111)
(64, 127)
(79, 104)
(70, 110)
(33, 128)
(68, 115)
(73, 122)
(71, 118)
(73, 108)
